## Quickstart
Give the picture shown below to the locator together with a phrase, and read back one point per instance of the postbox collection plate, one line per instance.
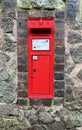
(40, 44)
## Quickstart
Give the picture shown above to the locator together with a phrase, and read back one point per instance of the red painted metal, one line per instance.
(41, 58)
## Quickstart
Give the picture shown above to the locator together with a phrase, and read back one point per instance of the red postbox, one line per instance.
(41, 58)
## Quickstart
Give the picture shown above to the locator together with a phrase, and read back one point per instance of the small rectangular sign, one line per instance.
(35, 57)
(40, 44)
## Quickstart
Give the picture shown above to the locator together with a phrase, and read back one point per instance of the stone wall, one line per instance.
(8, 54)
(65, 112)
(73, 55)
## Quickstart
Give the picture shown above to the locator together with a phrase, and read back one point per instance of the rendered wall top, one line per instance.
(80, 11)
(41, 4)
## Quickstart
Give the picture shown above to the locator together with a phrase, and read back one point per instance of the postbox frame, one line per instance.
(40, 24)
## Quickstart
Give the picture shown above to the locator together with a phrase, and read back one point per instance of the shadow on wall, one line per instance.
(64, 0)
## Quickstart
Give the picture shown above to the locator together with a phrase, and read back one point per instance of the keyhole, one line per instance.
(34, 70)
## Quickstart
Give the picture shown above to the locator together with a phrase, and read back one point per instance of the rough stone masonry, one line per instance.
(17, 112)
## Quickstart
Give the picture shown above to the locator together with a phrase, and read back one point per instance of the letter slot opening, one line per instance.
(40, 31)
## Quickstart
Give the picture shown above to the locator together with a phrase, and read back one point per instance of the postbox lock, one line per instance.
(34, 70)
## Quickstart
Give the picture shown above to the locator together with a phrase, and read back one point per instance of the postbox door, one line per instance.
(40, 74)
